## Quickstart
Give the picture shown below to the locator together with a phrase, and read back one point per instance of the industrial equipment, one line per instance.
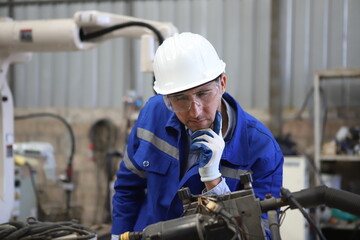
(237, 215)
(87, 29)
(41, 150)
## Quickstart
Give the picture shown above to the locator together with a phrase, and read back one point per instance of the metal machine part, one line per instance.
(234, 215)
(237, 215)
(195, 227)
(18, 39)
(241, 206)
(41, 150)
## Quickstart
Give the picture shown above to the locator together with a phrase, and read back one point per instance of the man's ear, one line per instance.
(223, 83)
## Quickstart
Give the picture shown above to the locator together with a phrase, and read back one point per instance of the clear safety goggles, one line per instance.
(204, 95)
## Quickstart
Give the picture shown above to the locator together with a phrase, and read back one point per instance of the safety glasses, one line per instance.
(204, 95)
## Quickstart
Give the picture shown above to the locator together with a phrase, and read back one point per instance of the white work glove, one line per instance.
(209, 145)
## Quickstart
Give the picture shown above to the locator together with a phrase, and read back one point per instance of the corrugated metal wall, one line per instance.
(315, 35)
(319, 35)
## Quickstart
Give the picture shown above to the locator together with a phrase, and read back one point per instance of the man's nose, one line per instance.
(195, 108)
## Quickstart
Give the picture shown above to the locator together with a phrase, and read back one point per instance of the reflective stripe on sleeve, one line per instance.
(158, 143)
(129, 165)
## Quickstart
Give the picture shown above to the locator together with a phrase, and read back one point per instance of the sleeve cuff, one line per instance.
(220, 189)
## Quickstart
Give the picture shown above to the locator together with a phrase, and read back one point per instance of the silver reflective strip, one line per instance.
(265, 224)
(232, 173)
(129, 165)
(158, 143)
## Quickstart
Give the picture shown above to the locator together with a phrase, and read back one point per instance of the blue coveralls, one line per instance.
(149, 175)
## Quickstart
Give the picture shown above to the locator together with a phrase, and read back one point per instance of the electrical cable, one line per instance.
(285, 192)
(283, 215)
(99, 33)
(306, 100)
(69, 169)
(239, 233)
(323, 95)
(33, 229)
(303, 106)
(324, 120)
(314, 169)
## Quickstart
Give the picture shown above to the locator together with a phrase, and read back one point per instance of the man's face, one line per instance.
(200, 105)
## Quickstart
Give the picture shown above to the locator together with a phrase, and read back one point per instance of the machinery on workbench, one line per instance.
(237, 215)
(86, 30)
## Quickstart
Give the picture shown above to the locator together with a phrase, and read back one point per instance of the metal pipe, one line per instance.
(274, 225)
(275, 124)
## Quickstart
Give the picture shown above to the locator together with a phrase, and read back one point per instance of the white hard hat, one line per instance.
(185, 61)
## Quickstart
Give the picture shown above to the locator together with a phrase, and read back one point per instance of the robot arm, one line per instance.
(55, 35)
(87, 29)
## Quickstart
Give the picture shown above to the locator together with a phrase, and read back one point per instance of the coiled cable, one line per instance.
(35, 230)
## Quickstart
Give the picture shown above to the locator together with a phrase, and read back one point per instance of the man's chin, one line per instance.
(196, 127)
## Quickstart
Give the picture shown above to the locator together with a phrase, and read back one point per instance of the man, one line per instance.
(192, 134)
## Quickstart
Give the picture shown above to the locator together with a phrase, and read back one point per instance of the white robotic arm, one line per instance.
(18, 39)
(54, 35)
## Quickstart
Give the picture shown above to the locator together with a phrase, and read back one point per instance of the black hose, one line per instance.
(34, 229)
(292, 200)
(89, 36)
(334, 198)
(69, 170)
(68, 127)
(312, 197)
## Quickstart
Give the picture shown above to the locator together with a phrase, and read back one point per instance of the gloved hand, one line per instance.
(209, 144)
